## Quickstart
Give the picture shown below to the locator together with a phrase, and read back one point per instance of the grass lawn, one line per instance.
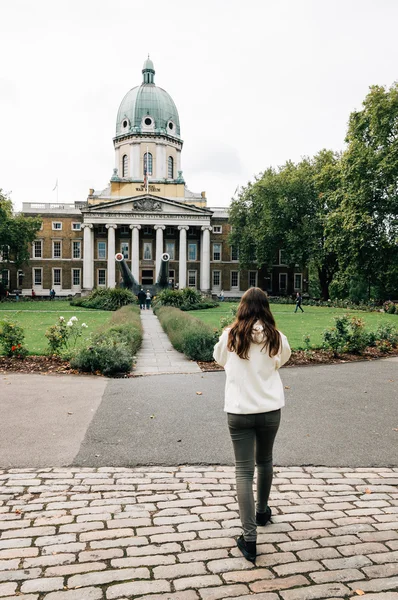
(35, 318)
(295, 326)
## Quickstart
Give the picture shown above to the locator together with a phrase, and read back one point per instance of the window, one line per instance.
(170, 231)
(216, 251)
(216, 279)
(191, 231)
(217, 228)
(101, 277)
(125, 166)
(124, 230)
(282, 282)
(172, 276)
(37, 249)
(252, 278)
(192, 252)
(234, 253)
(147, 163)
(102, 250)
(76, 277)
(170, 247)
(57, 249)
(76, 226)
(56, 276)
(57, 225)
(5, 253)
(147, 277)
(20, 276)
(37, 277)
(147, 255)
(298, 279)
(234, 280)
(282, 257)
(76, 249)
(5, 277)
(124, 249)
(170, 167)
(147, 230)
(192, 279)
(102, 230)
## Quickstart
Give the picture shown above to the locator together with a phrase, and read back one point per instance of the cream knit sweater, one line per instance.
(253, 385)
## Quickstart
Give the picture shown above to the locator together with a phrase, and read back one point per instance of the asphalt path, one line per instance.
(335, 415)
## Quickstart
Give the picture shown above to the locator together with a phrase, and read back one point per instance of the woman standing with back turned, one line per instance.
(252, 350)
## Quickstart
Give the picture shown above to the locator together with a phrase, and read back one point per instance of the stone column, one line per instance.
(135, 251)
(88, 263)
(159, 247)
(205, 266)
(182, 275)
(111, 255)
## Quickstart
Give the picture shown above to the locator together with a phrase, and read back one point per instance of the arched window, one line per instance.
(147, 163)
(170, 168)
(125, 166)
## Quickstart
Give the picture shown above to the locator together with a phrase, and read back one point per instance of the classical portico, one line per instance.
(150, 221)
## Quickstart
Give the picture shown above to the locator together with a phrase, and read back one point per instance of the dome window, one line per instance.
(125, 123)
(148, 121)
(147, 163)
(170, 167)
(171, 126)
(125, 166)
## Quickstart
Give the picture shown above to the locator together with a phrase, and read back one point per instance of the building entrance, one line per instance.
(147, 277)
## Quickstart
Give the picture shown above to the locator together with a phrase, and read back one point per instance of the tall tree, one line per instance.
(363, 229)
(288, 209)
(16, 233)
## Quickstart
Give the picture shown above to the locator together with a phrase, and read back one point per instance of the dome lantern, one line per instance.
(148, 71)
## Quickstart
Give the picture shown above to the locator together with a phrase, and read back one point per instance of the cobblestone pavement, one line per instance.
(168, 534)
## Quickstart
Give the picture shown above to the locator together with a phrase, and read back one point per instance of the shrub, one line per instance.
(106, 299)
(63, 335)
(348, 335)
(11, 339)
(112, 348)
(188, 334)
(185, 299)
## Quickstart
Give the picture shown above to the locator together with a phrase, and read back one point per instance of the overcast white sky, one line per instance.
(256, 82)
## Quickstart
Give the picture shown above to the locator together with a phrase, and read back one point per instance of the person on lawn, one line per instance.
(252, 350)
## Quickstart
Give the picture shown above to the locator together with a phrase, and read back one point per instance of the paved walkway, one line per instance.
(164, 533)
(157, 355)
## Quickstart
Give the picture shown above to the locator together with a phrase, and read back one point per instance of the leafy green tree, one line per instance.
(16, 233)
(363, 228)
(288, 209)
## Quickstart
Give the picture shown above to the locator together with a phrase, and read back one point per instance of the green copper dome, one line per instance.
(148, 109)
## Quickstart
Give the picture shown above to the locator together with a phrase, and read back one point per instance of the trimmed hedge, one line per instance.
(187, 333)
(185, 299)
(106, 299)
(112, 348)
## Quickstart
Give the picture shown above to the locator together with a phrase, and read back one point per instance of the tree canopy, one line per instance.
(335, 212)
(16, 233)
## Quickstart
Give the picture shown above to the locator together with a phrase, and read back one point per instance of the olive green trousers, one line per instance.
(253, 439)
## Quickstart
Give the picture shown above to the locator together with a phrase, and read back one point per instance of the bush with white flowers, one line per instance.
(64, 335)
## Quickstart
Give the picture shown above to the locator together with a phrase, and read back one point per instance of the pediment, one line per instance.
(146, 203)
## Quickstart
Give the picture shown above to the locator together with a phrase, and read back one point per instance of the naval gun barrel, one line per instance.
(128, 278)
(163, 277)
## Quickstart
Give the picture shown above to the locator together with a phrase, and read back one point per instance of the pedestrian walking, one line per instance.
(299, 300)
(148, 299)
(142, 298)
(251, 351)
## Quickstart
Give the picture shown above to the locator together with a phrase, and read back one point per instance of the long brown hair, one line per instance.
(253, 308)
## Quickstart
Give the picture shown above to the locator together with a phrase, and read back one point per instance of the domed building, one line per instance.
(145, 210)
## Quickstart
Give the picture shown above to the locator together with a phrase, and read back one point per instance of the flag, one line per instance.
(56, 185)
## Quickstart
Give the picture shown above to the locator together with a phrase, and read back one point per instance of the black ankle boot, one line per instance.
(248, 549)
(264, 518)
